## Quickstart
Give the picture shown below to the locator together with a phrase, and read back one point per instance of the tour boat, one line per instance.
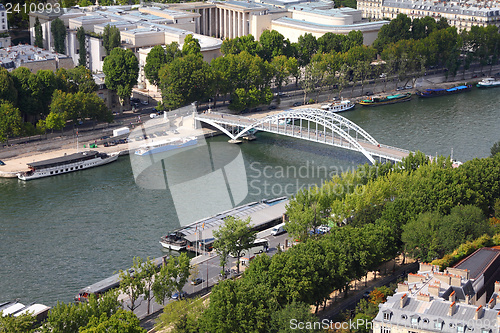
(173, 241)
(488, 83)
(383, 100)
(165, 145)
(65, 164)
(443, 92)
(338, 106)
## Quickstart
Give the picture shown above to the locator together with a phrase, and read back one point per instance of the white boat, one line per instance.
(338, 106)
(173, 241)
(165, 145)
(65, 164)
(488, 83)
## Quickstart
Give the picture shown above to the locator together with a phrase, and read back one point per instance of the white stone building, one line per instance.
(4, 28)
(33, 58)
(463, 299)
(461, 14)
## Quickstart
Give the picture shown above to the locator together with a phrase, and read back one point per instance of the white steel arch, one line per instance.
(277, 123)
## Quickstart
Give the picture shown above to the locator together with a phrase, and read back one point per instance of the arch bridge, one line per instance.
(308, 124)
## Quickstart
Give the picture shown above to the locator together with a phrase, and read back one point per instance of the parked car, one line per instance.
(144, 102)
(196, 281)
(153, 115)
(180, 295)
(369, 93)
(135, 100)
(408, 86)
(272, 107)
(297, 104)
(2, 163)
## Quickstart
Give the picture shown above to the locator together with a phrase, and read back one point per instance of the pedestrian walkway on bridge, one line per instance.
(308, 124)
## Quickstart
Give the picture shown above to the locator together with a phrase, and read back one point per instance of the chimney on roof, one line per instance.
(467, 299)
(452, 309)
(402, 301)
(452, 296)
(497, 287)
(492, 303)
(434, 289)
(498, 319)
(479, 313)
(456, 281)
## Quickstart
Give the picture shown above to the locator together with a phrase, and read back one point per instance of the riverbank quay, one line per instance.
(36, 153)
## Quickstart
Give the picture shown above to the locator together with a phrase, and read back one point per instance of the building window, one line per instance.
(460, 328)
(414, 320)
(387, 315)
(384, 329)
(438, 324)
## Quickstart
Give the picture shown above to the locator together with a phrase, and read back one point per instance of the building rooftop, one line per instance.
(473, 9)
(477, 262)
(15, 56)
(312, 25)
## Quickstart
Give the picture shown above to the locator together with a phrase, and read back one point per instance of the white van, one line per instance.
(279, 229)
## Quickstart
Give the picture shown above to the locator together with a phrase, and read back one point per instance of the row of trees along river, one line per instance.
(31, 103)
(383, 211)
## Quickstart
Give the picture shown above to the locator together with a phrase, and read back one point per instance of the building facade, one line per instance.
(33, 58)
(460, 14)
(4, 28)
(462, 299)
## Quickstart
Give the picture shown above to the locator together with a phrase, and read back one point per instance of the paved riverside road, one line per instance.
(208, 265)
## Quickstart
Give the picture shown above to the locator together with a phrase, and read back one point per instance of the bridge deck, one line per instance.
(379, 151)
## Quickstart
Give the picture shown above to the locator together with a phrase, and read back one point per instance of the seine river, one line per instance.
(63, 233)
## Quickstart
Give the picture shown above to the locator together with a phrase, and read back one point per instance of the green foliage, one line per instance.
(110, 38)
(465, 250)
(20, 324)
(294, 312)
(10, 121)
(80, 35)
(59, 33)
(307, 46)
(171, 278)
(239, 44)
(157, 57)
(273, 44)
(8, 91)
(185, 80)
(38, 34)
(495, 149)
(191, 46)
(121, 68)
(70, 317)
(234, 237)
(120, 322)
(183, 315)
(131, 283)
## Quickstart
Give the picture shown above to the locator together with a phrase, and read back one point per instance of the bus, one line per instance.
(260, 245)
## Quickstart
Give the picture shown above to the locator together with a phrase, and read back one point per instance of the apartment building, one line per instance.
(33, 58)
(4, 28)
(460, 14)
(462, 299)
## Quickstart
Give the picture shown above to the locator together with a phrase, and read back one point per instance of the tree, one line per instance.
(10, 121)
(286, 319)
(397, 29)
(273, 44)
(8, 91)
(234, 237)
(121, 69)
(80, 35)
(131, 283)
(122, 321)
(111, 38)
(191, 46)
(59, 33)
(307, 46)
(154, 60)
(38, 34)
(70, 317)
(185, 80)
(183, 315)
(171, 278)
(495, 149)
(54, 121)
(20, 324)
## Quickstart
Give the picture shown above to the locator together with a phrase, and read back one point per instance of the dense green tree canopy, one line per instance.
(121, 68)
(10, 121)
(111, 38)
(59, 33)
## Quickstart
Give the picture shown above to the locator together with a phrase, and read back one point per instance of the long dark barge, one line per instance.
(427, 93)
